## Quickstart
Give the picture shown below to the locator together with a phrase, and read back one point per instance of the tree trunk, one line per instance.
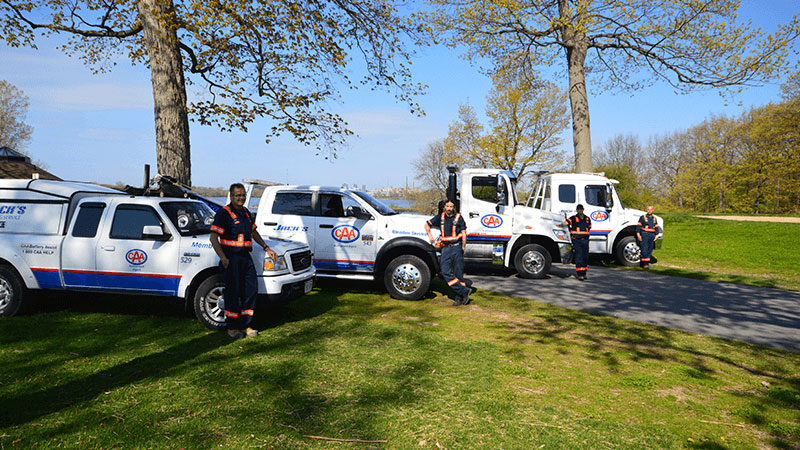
(169, 91)
(577, 45)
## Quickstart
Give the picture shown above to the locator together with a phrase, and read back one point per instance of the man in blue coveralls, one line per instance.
(232, 236)
(454, 241)
(646, 231)
(579, 228)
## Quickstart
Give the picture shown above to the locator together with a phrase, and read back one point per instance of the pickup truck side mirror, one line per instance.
(357, 212)
(155, 233)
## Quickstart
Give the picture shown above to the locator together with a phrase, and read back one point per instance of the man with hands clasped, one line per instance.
(454, 241)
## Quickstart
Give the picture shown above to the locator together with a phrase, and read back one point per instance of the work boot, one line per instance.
(235, 334)
(465, 299)
(457, 301)
(251, 332)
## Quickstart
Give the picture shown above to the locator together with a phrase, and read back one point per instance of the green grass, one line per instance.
(503, 373)
(753, 253)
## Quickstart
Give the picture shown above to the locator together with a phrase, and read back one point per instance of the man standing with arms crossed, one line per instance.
(232, 236)
(579, 227)
(454, 241)
(646, 231)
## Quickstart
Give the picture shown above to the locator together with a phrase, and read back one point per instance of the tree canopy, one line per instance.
(283, 60)
(620, 44)
(14, 132)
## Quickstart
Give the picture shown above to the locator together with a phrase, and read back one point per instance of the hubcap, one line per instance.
(6, 293)
(632, 252)
(406, 278)
(212, 304)
(533, 262)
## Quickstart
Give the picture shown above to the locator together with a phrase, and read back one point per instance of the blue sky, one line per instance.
(100, 127)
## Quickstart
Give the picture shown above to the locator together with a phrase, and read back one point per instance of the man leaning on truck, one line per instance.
(232, 236)
(454, 241)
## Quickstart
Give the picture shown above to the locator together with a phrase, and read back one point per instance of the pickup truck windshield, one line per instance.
(375, 203)
(190, 218)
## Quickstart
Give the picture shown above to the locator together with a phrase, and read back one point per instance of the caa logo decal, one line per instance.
(345, 233)
(491, 221)
(136, 257)
(599, 215)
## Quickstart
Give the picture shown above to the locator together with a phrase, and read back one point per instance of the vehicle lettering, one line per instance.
(201, 245)
(13, 209)
(491, 221)
(186, 260)
(599, 215)
(136, 257)
(290, 228)
(345, 233)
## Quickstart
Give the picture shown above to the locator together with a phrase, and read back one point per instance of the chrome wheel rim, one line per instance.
(632, 252)
(533, 262)
(406, 278)
(6, 293)
(215, 313)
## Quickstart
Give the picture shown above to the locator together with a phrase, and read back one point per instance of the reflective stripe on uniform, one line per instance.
(452, 282)
(231, 314)
(247, 312)
(454, 236)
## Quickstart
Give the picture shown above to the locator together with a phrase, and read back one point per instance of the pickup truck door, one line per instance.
(128, 260)
(80, 244)
(343, 241)
(488, 213)
(291, 216)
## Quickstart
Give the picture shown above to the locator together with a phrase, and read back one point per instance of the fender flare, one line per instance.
(14, 260)
(420, 246)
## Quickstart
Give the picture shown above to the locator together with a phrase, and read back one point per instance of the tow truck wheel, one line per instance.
(532, 261)
(628, 252)
(11, 292)
(206, 302)
(407, 277)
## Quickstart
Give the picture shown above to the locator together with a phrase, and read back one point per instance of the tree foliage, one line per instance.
(283, 60)
(622, 44)
(14, 132)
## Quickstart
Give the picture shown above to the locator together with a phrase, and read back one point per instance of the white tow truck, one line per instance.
(613, 225)
(355, 236)
(76, 236)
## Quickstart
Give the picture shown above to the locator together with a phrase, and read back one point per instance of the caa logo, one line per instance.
(599, 215)
(491, 221)
(345, 233)
(136, 257)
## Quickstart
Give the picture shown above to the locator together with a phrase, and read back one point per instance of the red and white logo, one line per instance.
(599, 215)
(345, 233)
(491, 221)
(136, 257)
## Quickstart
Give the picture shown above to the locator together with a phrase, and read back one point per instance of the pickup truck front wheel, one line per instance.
(532, 261)
(407, 277)
(207, 302)
(11, 292)
(628, 252)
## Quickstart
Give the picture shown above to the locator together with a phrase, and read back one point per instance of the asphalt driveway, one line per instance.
(763, 316)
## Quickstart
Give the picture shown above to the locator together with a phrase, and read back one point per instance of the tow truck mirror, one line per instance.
(499, 192)
(609, 198)
(155, 233)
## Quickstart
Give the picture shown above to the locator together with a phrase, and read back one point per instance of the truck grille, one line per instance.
(301, 261)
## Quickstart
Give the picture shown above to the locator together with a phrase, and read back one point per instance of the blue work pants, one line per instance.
(452, 263)
(646, 245)
(581, 247)
(241, 291)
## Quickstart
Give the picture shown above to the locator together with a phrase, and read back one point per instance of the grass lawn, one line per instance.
(376, 373)
(753, 253)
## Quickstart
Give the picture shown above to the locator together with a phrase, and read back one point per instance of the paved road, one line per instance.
(764, 316)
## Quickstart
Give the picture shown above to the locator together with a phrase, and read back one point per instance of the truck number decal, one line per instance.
(491, 221)
(136, 257)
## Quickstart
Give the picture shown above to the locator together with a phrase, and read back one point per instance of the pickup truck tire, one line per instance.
(627, 252)
(532, 261)
(206, 302)
(12, 294)
(407, 277)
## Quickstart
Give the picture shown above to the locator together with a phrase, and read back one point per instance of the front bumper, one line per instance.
(287, 286)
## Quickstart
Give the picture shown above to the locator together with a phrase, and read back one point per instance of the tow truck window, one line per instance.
(293, 203)
(566, 193)
(190, 218)
(88, 219)
(595, 195)
(485, 189)
(130, 219)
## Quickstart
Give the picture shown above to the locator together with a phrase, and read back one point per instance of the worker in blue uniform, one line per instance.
(646, 231)
(454, 240)
(232, 236)
(579, 227)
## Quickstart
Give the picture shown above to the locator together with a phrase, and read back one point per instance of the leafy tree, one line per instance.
(624, 44)
(282, 60)
(14, 132)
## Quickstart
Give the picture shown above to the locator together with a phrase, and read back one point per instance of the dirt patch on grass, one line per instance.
(755, 218)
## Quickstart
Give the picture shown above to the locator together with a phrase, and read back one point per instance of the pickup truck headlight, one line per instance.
(274, 266)
(561, 235)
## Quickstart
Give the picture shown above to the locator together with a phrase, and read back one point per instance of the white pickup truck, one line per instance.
(355, 236)
(75, 236)
(613, 225)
